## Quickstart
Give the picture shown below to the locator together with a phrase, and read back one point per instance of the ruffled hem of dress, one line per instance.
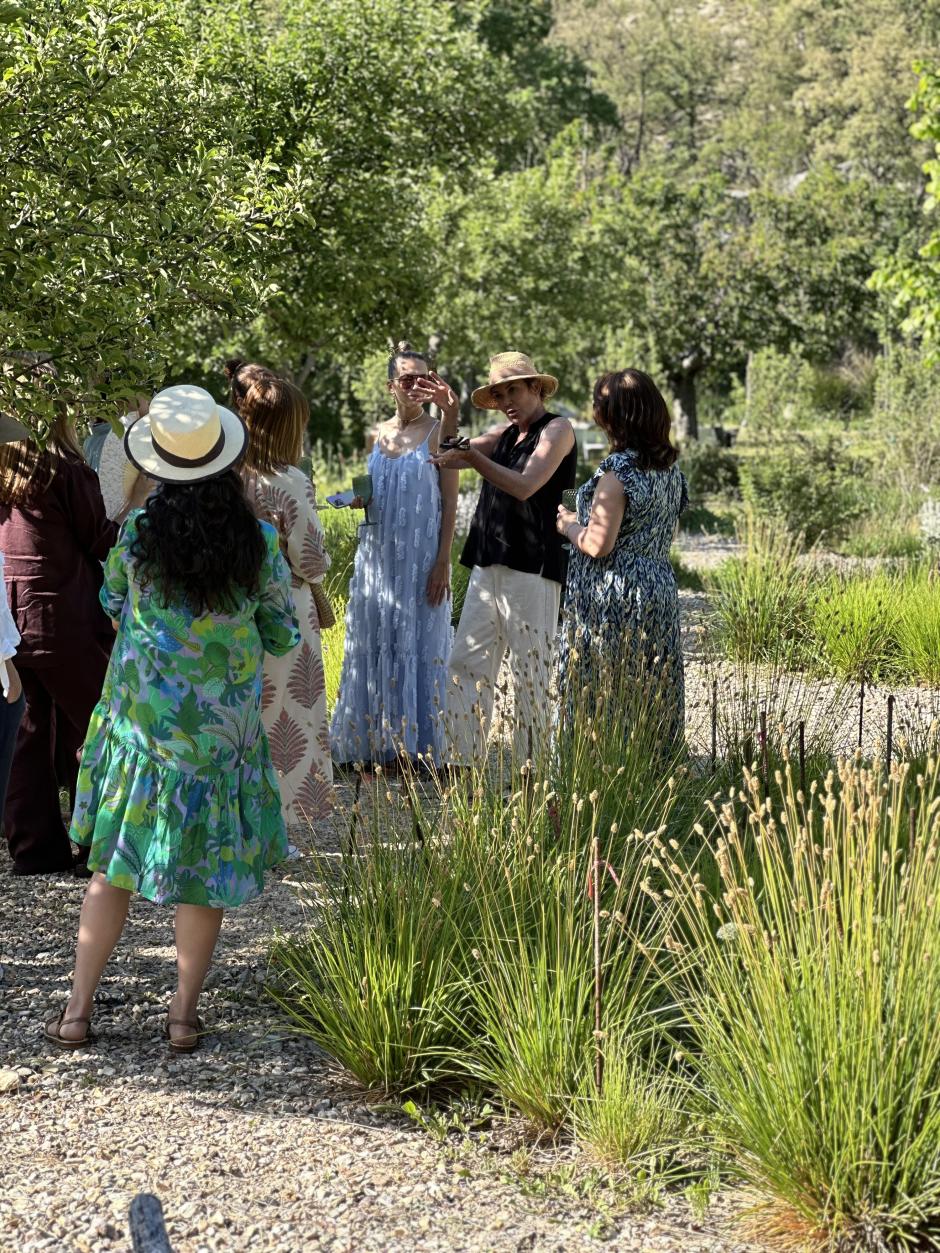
(230, 830)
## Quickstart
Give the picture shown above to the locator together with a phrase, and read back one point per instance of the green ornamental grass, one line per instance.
(813, 997)
(377, 980)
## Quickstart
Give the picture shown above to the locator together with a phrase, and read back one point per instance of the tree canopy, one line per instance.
(588, 180)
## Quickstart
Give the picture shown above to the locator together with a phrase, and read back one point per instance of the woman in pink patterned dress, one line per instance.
(293, 705)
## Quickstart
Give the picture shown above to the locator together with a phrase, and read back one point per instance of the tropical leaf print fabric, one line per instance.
(294, 700)
(177, 796)
(622, 610)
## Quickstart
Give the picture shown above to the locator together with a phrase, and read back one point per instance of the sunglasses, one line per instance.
(407, 381)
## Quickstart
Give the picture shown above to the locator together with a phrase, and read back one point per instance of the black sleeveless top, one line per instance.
(521, 534)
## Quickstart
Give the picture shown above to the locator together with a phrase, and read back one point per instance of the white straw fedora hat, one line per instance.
(505, 367)
(185, 437)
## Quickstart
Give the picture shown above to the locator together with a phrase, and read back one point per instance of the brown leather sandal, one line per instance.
(191, 1043)
(52, 1030)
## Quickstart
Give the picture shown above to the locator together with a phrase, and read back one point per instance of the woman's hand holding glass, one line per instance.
(564, 520)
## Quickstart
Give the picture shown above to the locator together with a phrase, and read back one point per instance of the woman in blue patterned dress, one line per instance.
(398, 634)
(177, 798)
(621, 602)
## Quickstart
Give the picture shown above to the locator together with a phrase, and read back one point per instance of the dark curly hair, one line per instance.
(199, 544)
(630, 409)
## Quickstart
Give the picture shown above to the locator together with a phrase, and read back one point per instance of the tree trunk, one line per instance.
(685, 405)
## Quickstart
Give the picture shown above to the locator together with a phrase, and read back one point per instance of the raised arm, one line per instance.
(440, 393)
(439, 578)
(556, 441)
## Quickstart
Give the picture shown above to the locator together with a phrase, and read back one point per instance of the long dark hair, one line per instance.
(630, 409)
(199, 544)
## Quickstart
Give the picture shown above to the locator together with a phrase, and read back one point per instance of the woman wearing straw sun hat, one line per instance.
(177, 797)
(515, 555)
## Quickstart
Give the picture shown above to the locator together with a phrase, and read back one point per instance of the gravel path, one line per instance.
(255, 1142)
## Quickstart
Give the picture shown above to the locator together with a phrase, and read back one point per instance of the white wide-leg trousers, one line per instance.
(505, 610)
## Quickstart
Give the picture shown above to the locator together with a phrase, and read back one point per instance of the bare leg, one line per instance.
(197, 929)
(104, 912)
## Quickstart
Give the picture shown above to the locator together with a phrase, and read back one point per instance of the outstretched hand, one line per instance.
(437, 392)
(454, 459)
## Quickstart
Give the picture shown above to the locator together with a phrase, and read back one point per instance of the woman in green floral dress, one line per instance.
(177, 797)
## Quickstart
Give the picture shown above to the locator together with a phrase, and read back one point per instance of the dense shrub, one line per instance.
(906, 415)
(813, 482)
(778, 392)
(711, 470)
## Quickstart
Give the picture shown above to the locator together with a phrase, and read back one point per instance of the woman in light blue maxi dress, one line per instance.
(398, 622)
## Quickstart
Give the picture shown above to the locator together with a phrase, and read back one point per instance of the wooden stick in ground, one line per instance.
(714, 724)
(353, 814)
(764, 762)
(889, 745)
(527, 770)
(598, 969)
(861, 710)
(416, 828)
(148, 1231)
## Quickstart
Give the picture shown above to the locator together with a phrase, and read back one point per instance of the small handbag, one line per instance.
(325, 614)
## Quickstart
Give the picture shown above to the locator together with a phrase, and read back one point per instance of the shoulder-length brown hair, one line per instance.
(27, 471)
(630, 409)
(276, 414)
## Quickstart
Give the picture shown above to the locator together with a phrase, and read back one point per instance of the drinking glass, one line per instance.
(569, 498)
(362, 486)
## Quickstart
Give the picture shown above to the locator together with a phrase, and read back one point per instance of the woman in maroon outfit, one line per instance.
(54, 534)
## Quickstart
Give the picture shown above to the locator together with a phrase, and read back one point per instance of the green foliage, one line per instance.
(917, 625)
(527, 234)
(914, 283)
(772, 607)
(761, 601)
(459, 581)
(906, 413)
(711, 471)
(472, 957)
(810, 481)
(334, 647)
(552, 83)
(854, 625)
(378, 983)
(375, 103)
(129, 200)
(779, 392)
(642, 1111)
(763, 87)
(812, 995)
